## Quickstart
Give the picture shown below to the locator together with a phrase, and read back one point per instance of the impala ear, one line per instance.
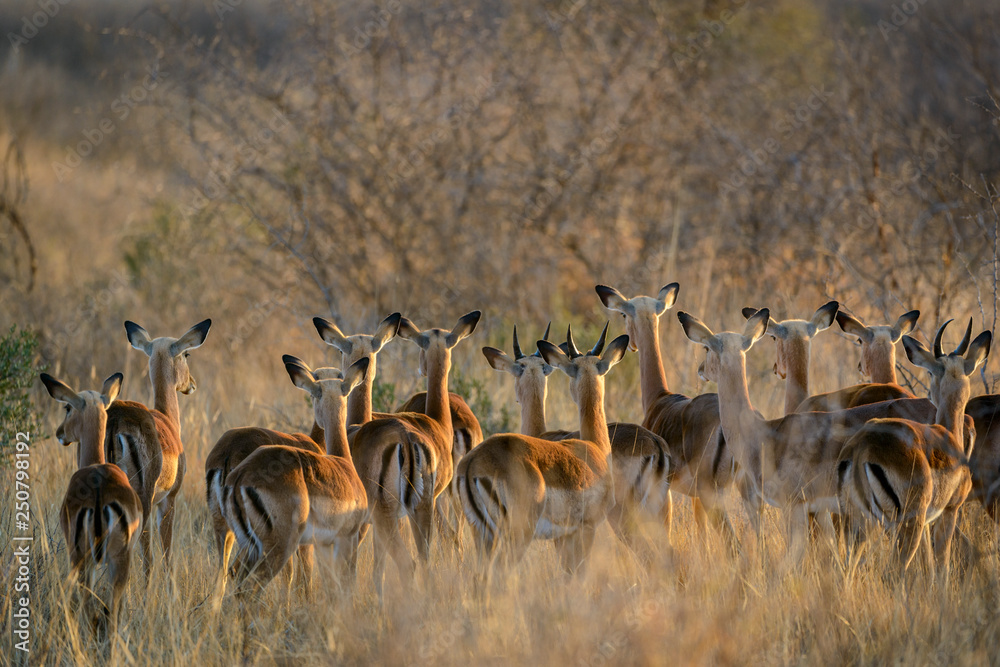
(410, 332)
(920, 355)
(905, 324)
(979, 350)
(667, 296)
(499, 360)
(749, 312)
(386, 331)
(355, 375)
(696, 330)
(332, 335)
(853, 326)
(615, 353)
(555, 357)
(612, 299)
(755, 327)
(300, 374)
(823, 317)
(138, 337)
(192, 339)
(61, 392)
(464, 328)
(112, 387)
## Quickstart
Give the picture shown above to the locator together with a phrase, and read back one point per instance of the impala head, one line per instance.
(585, 370)
(168, 356)
(358, 346)
(529, 370)
(793, 337)
(950, 372)
(328, 387)
(638, 311)
(86, 411)
(726, 347)
(878, 343)
(435, 344)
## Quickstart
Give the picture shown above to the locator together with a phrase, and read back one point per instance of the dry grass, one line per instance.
(703, 607)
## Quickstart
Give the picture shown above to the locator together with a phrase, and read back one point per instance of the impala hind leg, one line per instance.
(944, 531)
(422, 526)
(574, 549)
(166, 509)
(305, 563)
(624, 522)
(389, 543)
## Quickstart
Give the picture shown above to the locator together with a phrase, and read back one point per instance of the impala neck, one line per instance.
(165, 391)
(336, 438)
(438, 406)
(882, 365)
(593, 422)
(533, 412)
(796, 374)
(652, 379)
(951, 414)
(740, 423)
(90, 450)
(359, 403)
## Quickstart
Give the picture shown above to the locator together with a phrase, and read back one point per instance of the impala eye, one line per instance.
(187, 354)
(68, 408)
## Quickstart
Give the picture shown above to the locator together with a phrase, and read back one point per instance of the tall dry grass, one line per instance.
(701, 607)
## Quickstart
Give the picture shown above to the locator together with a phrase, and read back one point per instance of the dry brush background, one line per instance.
(263, 162)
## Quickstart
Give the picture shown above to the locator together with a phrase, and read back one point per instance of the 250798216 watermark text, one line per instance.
(21, 581)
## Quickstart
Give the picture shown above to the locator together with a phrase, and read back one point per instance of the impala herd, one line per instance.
(871, 454)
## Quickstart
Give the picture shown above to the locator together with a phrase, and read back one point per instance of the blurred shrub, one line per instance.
(492, 419)
(18, 352)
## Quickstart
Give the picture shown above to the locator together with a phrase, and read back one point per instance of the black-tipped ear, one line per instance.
(696, 330)
(749, 312)
(410, 332)
(291, 359)
(906, 323)
(112, 387)
(386, 331)
(465, 327)
(554, 356)
(355, 375)
(979, 350)
(667, 296)
(611, 298)
(301, 376)
(138, 337)
(498, 360)
(823, 317)
(61, 391)
(851, 325)
(332, 335)
(192, 338)
(755, 327)
(920, 355)
(615, 353)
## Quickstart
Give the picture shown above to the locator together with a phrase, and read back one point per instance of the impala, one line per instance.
(907, 474)
(793, 342)
(701, 463)
(283, 497)
(791, 462)
(640, 461)
(101, 514)
(146, 443)
(404, 459)
(878, 364)
(237, 444)
(466, 431)
(517, 488)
